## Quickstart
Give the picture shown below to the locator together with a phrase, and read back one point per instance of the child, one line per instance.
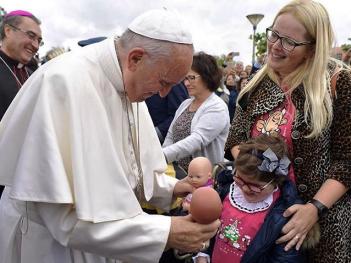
(199, 175)
(252, 211)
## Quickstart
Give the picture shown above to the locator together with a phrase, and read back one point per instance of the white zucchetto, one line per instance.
(161, 24)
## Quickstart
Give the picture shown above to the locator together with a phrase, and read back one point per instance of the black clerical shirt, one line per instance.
(9, 85)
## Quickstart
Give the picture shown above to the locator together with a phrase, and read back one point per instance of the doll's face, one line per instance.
(198, 177)
(253, 190)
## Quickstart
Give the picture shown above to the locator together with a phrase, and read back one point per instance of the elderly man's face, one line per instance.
(22, 41)
(150, 77)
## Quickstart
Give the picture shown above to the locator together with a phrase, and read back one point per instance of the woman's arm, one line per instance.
(339, 173)
(210, 124)
(305, 216)
(236, 135)
(235, 151)
(169, 137)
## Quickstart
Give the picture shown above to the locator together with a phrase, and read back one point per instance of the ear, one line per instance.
(6, 30)
(135, 56)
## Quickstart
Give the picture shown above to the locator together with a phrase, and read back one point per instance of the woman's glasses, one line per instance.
(287, 43)
(191, 78)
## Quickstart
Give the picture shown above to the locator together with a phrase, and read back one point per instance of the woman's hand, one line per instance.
(302, 220)
(182, 188)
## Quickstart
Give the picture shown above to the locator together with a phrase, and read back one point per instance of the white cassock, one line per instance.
(67, 160)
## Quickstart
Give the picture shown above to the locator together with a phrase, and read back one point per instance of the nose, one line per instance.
(35, 44)
(164, 91)
(277, 44)
(186, 83)
(246, 189)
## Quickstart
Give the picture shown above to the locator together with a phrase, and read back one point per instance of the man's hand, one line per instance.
(189, 236)
(182, 188)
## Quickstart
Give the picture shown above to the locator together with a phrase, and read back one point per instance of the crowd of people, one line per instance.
(81, 152)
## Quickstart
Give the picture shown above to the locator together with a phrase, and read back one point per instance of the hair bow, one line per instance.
(271, 163)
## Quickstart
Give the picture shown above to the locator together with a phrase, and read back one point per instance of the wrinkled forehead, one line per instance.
(28, 24)
(177, 66)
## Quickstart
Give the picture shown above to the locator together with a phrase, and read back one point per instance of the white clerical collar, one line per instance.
(107, 56)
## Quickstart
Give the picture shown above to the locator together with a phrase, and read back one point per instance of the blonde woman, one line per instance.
(304, 95)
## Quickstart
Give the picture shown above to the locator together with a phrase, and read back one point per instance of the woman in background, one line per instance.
(201, 123)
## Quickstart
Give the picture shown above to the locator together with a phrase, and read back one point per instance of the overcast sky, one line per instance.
(218, 26)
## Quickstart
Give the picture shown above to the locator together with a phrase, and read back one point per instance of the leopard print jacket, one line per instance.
(314, 159)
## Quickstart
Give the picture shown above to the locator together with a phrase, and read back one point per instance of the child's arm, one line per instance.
(201, 258)
(185, 205)
(186, 202)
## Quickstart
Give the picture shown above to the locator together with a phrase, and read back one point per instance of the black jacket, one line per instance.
(263, 248)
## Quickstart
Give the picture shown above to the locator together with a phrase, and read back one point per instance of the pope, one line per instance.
(78, 152)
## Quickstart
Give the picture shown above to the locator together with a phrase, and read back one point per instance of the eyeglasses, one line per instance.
(252, 187)
(287, 43)
(191, 78)
(30, 34)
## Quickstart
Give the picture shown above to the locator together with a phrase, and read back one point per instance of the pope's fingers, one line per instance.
(189, 236)
(212, 227)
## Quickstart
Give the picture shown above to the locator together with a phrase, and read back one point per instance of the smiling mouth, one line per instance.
(276, 56)
(31, 52)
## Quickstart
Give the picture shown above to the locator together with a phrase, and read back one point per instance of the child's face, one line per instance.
(198, 178)
(253, 190)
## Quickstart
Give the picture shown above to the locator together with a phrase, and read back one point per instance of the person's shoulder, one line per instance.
(74, 64)
(63, 63)
(185, 103)
(216, 102)
(343, 80)
(345, 74)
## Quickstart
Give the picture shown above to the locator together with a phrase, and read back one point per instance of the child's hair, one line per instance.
(252, 160)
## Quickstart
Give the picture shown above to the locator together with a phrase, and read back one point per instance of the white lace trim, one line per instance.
(237, 200)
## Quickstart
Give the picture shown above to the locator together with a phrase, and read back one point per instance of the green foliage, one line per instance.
(220, 60)
(260, 42)
(345, 47)
(2, 13)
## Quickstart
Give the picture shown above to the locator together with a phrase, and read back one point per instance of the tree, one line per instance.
(2, 13)
(260, 42)
(220, 60)
(345, 47)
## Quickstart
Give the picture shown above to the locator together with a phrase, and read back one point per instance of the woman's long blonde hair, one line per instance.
(312, 73)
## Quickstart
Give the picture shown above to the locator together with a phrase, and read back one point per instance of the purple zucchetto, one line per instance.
(19, 13)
